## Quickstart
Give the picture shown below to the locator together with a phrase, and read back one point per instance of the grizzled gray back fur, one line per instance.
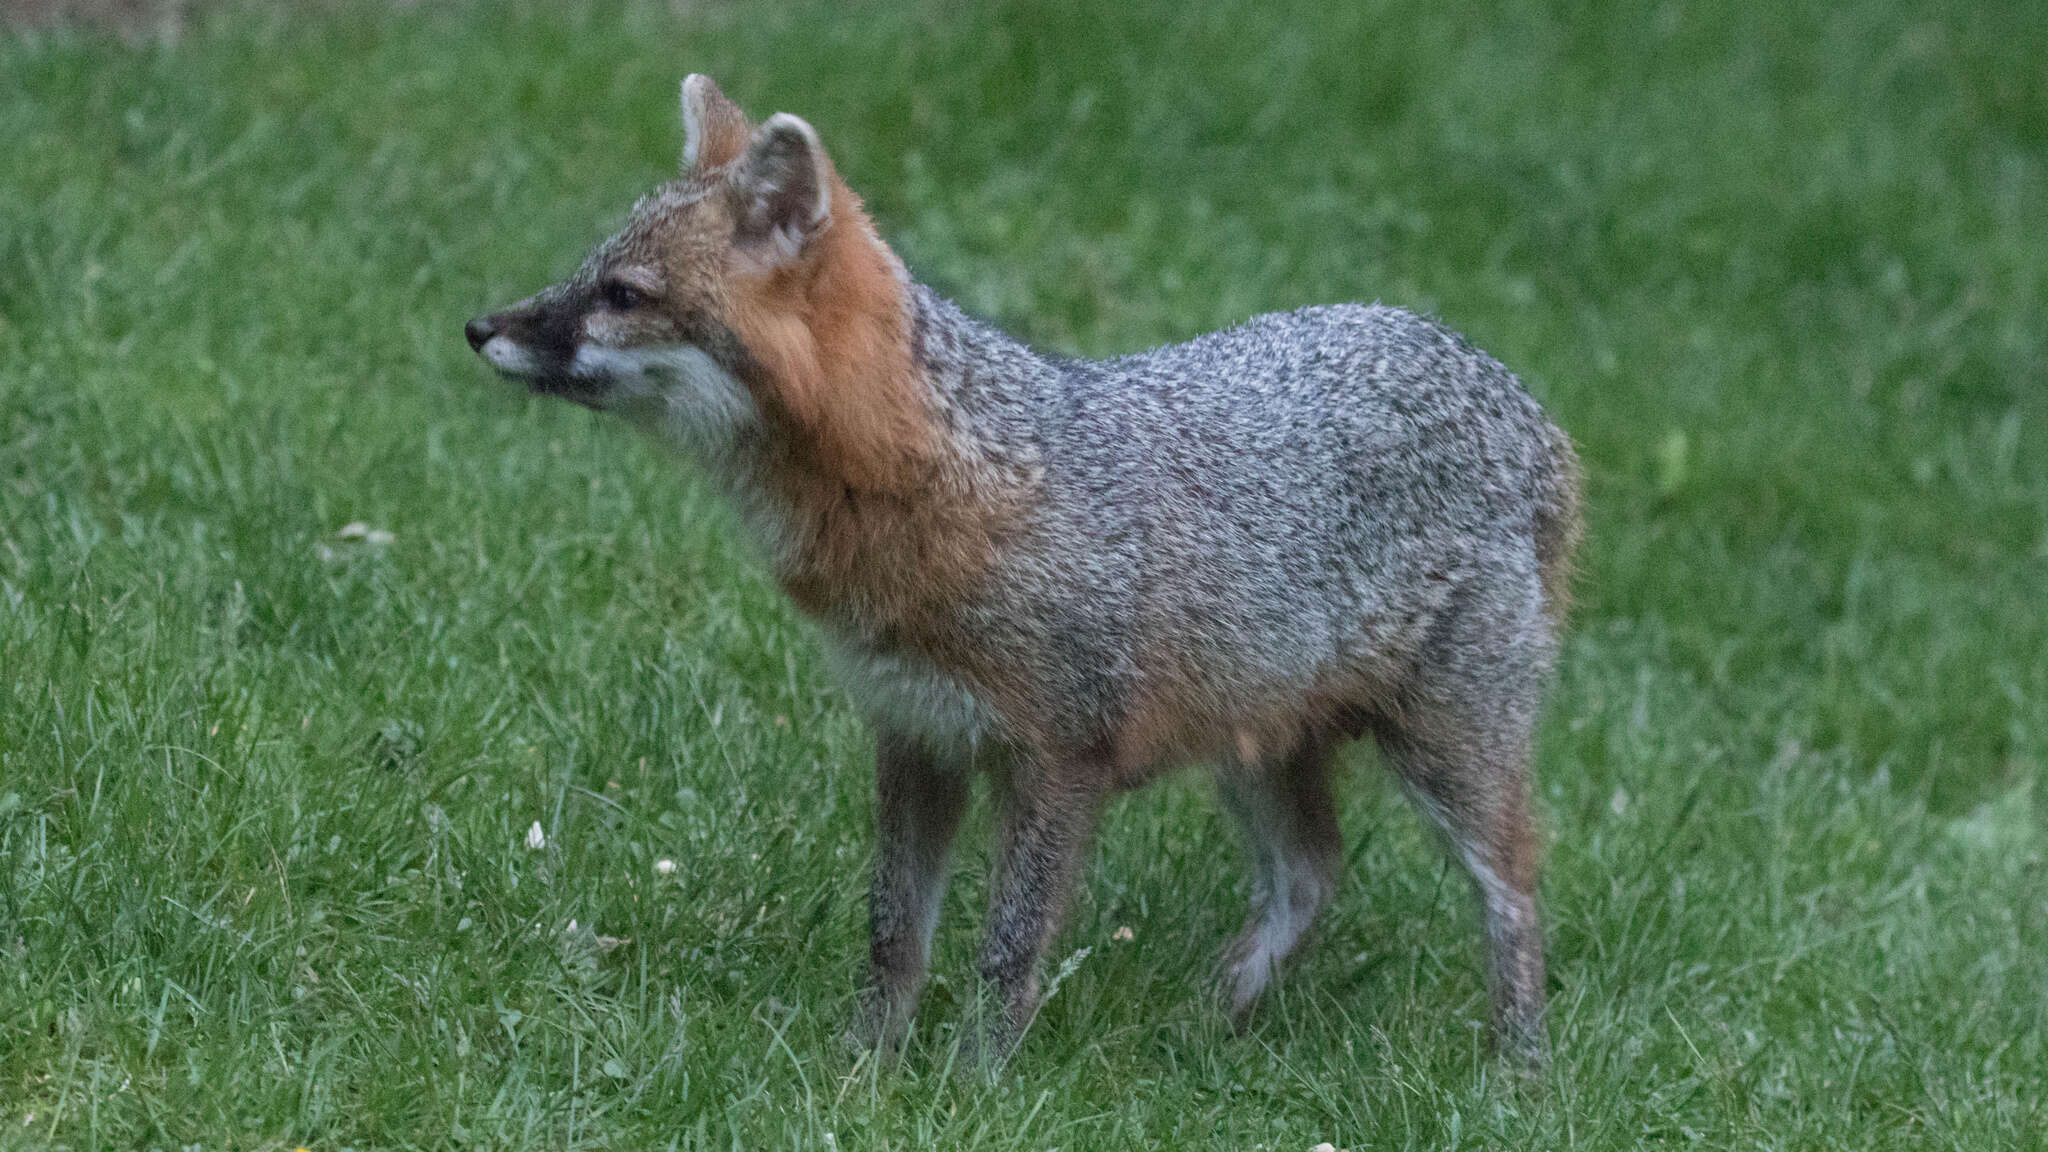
(1301, 494)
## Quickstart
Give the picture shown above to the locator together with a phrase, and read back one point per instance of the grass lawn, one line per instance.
(266, 787)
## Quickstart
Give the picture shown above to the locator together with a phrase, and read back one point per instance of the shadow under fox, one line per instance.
(1244, 551)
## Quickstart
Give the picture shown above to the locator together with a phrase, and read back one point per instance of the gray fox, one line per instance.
(1072, 576)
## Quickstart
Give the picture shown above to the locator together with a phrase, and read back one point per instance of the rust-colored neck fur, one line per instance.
(884, 530)
(831, 332)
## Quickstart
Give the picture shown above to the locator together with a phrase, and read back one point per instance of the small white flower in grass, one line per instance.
(357, 530)
(1123, 933)
(1325, 1146)
(536, 838)
(664, 867)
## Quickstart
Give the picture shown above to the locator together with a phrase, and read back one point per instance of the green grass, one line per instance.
(264, 791)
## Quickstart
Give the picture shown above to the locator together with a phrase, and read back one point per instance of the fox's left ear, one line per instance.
(783, 189)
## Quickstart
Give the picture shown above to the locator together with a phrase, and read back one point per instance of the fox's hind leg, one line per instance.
(1460, 740)
(1289, 820)
(1479, 801)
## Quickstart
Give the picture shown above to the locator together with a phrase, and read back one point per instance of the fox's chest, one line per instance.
(908, 695)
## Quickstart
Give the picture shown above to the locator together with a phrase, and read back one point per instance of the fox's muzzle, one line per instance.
(493, 338)
(479, 331)
(533, 345)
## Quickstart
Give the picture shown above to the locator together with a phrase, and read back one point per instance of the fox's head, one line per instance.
(747, 303)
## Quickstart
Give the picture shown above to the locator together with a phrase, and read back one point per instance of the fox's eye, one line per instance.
(620, 296)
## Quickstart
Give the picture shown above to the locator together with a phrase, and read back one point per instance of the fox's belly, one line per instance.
(909, 696)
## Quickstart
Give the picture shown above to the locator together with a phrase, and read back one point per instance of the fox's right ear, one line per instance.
(715, 131)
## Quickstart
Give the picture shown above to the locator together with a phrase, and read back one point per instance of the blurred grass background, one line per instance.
(264, 788)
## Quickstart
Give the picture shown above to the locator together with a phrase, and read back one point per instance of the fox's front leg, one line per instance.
(1047, 816)
(918, 806)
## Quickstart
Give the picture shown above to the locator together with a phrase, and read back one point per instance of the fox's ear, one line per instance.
(783, 189)
(715, 131)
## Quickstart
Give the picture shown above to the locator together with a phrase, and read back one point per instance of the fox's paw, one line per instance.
(1248, 966)
(1524, 1052)
(989, 1035)
(880, 1026)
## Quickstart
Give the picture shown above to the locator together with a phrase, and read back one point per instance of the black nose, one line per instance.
(478, 331)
